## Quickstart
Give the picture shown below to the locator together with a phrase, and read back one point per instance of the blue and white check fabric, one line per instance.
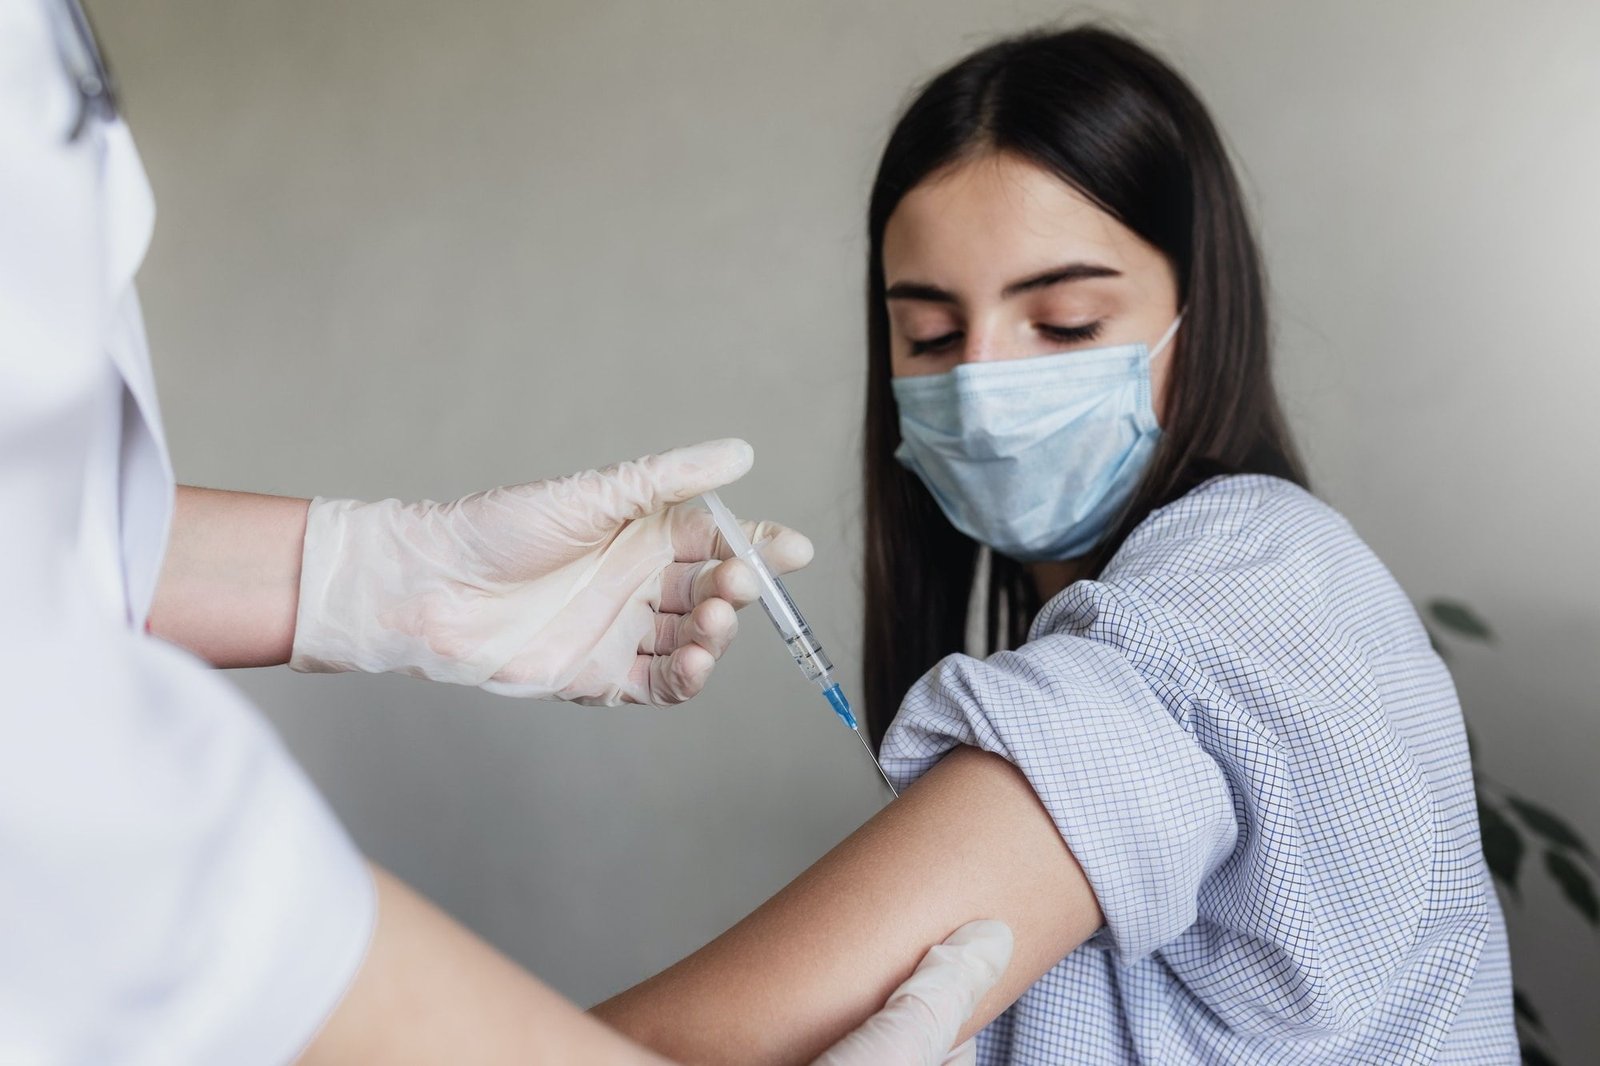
(1243, 735)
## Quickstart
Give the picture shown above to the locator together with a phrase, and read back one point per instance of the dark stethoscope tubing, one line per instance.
(86, 66)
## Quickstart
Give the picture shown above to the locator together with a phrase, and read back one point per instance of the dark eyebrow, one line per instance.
(917, 290)
(1070, 272)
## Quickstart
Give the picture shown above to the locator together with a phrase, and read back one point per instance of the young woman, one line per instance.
(1210, 771)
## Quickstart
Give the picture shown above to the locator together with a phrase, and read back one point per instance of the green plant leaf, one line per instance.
(1438, 646)
(1525, 1009)
(1532, 1056)
(1459, 619)
(1575, 884)
(1547, 824)
(1502, 844)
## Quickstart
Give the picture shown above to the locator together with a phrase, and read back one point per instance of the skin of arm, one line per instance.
(969, 840)
(429, 991)
(230, 582)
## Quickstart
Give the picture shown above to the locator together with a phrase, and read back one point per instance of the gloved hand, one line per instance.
(593, 588)
(922, 1017)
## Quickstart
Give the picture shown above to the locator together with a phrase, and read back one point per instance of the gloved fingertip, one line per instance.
(984, 929)
(715, 622)
(720, 462)
(735, 581)
(986, 943)
(964, 1055)
(786, 550)
(682, 675)
(652, 483)
(741, 455)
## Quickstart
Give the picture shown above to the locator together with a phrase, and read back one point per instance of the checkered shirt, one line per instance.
(1242, 733)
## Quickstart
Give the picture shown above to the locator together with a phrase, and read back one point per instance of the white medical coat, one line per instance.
(172, 889)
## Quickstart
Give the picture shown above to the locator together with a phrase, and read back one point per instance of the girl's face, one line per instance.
(995, 258)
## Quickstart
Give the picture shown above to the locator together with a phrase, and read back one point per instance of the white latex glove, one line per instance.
(592, 588)
(922, 1017)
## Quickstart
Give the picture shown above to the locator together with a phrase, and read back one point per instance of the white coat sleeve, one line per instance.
(172, 889)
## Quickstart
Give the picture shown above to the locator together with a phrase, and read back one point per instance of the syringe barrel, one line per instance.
(789, 622)
(803, 646)
(775, 600)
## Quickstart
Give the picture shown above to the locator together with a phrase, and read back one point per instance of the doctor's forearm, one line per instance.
(230, 583)
(429, 991)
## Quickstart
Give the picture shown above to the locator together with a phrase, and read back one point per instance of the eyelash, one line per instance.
(933, 345)
(1064, 334)
(1072, 334)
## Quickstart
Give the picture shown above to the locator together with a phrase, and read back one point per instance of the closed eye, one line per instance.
(935, 345)
(1070, 334)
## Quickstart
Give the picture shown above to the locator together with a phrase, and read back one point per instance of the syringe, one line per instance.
(791, 625)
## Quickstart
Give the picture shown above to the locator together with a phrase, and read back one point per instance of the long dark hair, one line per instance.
(1124, 129)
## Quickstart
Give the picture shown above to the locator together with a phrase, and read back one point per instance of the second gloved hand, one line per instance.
(923, 1016)
(597, 588)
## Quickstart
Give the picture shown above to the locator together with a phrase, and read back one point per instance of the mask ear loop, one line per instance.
(1166, 337)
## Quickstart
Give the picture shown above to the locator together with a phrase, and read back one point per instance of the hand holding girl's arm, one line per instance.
(969, 840)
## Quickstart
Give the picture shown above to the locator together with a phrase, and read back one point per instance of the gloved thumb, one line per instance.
(924, 1015)
(631, 490)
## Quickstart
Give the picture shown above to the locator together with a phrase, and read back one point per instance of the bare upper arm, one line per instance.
(969, 840)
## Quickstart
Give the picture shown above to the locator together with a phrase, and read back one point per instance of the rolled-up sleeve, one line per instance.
(1146, 811)
(1242, 734)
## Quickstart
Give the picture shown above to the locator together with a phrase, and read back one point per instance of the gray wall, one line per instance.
(414, 249)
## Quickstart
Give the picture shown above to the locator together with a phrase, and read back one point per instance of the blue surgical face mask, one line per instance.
(1034, 457)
